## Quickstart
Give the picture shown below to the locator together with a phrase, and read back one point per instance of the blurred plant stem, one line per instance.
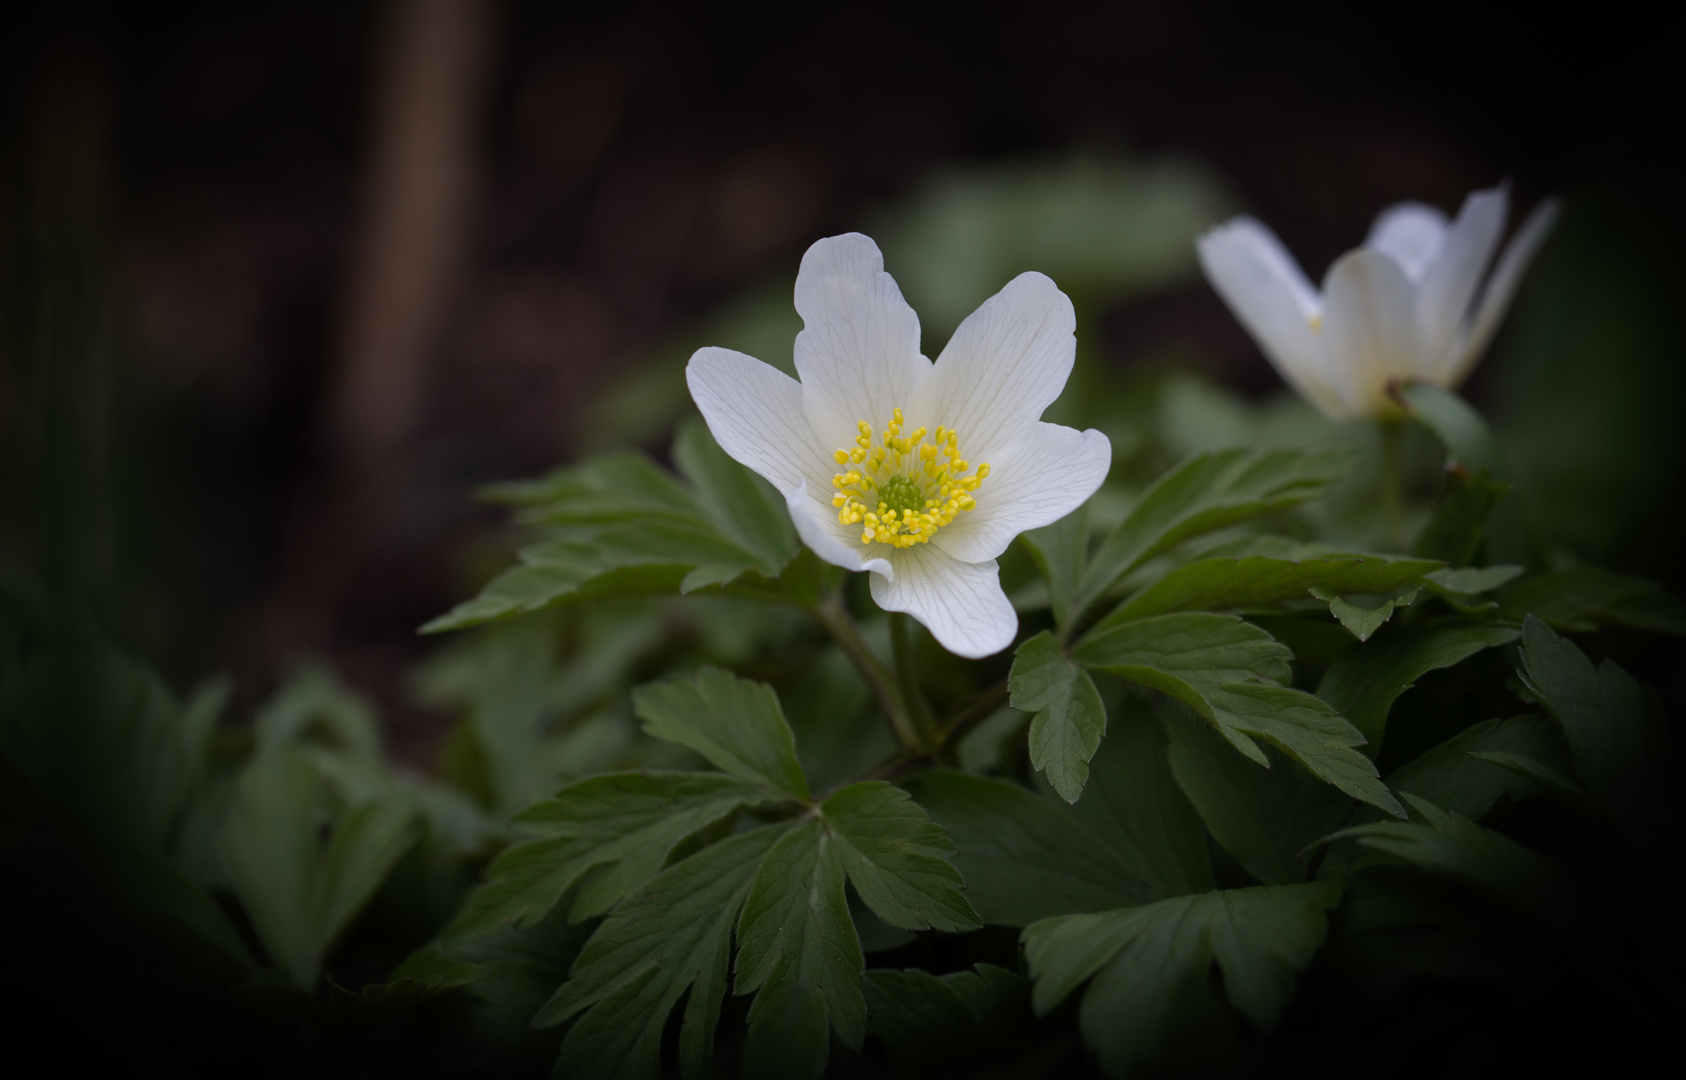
(56, 383)
(919, 710)
(883, 682)
(432, 71)
(1392, 484)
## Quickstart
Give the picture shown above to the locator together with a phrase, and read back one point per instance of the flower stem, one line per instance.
(972, 712)
(919, 710)
(1392, 485)
(835, 618)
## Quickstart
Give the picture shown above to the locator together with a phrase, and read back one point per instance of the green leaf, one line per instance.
(795, 937)
(898, 858)
(1239, 584)
(1518, 879)
(1616, 733)
(955, 1017)
(1458, 775)
(1205, 492)
(1151, 964)
(1215, 665)
(1470, 579)
(1362, 622)
(671, 936)
(1469, 442)
(1059, 552)
(624, 528)
(1136, 806)
(1586, 598)
(735, 723)
(1025, 858)
(299, 896)
(743, 505)
(1265, 818)
(619, 829)
(1459, 524)
(1068, 717)
(1134, 839)
(1363, 682)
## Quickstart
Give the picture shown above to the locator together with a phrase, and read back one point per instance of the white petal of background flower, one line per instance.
(858, 355)
(961, 603)
(1005, 364)
(1368, 326)
(1446, 290)
(754, 411)
(1410, 233)
(1041, 478)
(1501, 286)
(838, 544)
(1264, 287)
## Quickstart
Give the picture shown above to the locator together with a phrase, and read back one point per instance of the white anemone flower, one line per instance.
(1416, 302)
(920, 473)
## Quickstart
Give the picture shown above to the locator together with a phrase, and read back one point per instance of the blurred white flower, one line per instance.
(874, 448)
(1415, 302)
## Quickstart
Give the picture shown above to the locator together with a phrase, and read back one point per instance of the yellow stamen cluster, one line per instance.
(904, 489)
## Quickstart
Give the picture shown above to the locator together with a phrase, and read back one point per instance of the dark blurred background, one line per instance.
(283, 283)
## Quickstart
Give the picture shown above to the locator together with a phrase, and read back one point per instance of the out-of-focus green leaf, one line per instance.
(734, 723)
(1263, 817)
(1459, 524)
(1060, 552)
(1364, 682)
(313, 705)
(1616, 733)
(1218, 666)
(1586, 598)
(954, 1017)
(1068, 716)
(1206, 492)
(623, 527)
(1148, 964)
(899, 860)
(1237, 584)
(671, 936)
(795, 938)
(301, 897)
(1469, 442)
(1470, 580)
(608, 835)
(1101, 227)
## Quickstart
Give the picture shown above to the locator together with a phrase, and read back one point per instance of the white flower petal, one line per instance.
(1410, 233)
(858, 354)
(1038, 480)
(961, 603)
(1446, 289)
(1005, 364)
(754, 411)
(1264, 287)
(1368, 328)
(1501, 287)
(838, 544)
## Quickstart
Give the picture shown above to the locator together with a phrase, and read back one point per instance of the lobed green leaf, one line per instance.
(1150, 964)
(1206, 492)
(1068, 718)
(735, 723)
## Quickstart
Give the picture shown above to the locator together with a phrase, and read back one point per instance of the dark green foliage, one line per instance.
(1150, 966)
(621, 526)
